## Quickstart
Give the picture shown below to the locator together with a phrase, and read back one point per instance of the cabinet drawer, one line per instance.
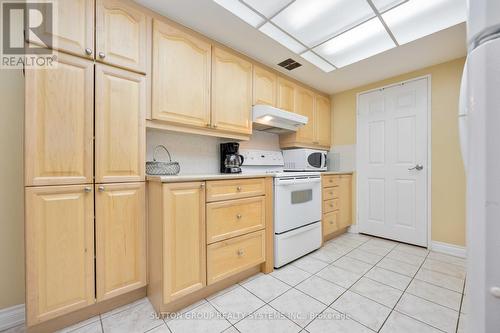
(232, 218)
(329, 181)
(330, 205)
(330, 223)
(330, 193)
(230, 257)
(218, 190)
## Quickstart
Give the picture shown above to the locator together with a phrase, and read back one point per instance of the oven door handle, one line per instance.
(285, 182)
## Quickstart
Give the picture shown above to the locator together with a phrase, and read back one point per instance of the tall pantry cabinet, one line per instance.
(84, 162)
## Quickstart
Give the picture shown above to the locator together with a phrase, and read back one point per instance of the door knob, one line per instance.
(417, 167)
(495, 291)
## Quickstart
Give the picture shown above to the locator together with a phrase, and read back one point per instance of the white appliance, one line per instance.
(274, 120)
(297, 205)
(480, 132)
(304, 159)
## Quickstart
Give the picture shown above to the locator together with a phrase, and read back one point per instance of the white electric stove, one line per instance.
(297, 205)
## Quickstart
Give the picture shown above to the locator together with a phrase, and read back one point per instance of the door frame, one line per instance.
(428, 77)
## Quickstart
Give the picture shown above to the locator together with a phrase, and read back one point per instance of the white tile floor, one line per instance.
(355, 283)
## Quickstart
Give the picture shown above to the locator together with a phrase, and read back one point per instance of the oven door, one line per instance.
(316, 160)
(297, 202)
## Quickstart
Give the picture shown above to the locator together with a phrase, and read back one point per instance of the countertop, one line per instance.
(220, 176)
(201, 177)
(328, 173)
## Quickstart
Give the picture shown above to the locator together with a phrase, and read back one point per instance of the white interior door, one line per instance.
(392, 162)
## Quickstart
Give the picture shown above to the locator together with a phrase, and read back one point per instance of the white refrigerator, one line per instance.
(479, 122)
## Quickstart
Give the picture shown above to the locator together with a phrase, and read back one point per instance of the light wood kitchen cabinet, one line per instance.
(264, 86)
(59, 250)
(122, 35)
(184, 239)
(59, 104)
(345, 201)
(323, 122)
(304, 105)
(286, 94)
(73, 30)
(181, 77)
(120, 239)
(231, 92)
(120, 108)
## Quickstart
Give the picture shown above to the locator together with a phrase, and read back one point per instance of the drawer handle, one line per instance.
(331, 205)
(239, 189)
(331, 222)
(239, 216)
(240, 252)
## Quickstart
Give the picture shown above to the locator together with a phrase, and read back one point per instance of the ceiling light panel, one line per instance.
(282, 38)
(267, 7)
(383, 5)
(317, 61)
(418, 18)
(242, 11)
(314, 21)
(366, 40)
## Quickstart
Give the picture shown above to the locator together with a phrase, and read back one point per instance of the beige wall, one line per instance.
(11, 188)
(448, 177)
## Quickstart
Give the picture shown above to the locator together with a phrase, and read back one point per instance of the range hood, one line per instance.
(274, 120)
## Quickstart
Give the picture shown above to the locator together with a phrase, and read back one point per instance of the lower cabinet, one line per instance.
(60, 273)
(198, 241)
(337, 203)
(120, 239)
(59, 250)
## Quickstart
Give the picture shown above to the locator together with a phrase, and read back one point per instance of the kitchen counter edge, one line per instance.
(194, 178)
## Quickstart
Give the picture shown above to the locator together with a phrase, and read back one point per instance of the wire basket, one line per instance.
(156, 168)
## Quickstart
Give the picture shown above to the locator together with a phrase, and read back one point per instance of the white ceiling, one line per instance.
(211, 20)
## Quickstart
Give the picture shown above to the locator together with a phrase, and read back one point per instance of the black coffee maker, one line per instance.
(230, 160)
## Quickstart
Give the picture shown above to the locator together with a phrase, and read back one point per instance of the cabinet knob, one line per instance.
(87, 189)
(239, 216)
(240, 252)
(238, 188)
(214, 126)
(331, 222)
(88, 51)
(102, 55)
(101, 188)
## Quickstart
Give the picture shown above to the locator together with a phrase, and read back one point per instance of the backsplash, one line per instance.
(342, 158)
(199, 154)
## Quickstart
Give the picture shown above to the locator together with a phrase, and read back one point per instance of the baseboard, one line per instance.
(453, 250)
(11, 317)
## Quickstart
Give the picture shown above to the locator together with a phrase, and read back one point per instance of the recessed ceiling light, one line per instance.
(242, 11)
(317, 61)
(383, 5)
(282, 38)
(418, 18)
(314, 21)
(364, 41)
(267, 7)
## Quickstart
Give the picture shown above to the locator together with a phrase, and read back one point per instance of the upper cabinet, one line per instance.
(304, 105)
(323, 129)
(122, 35)
(264, 86)
(59, 115)
(120, 133)
(231, 92)
(286, 94)
(181, 77)
(73, 27)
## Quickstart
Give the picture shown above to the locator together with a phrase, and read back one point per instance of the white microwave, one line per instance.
(304, 160)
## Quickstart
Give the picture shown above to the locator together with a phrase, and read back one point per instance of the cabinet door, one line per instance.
(184, 242)
(181, 77)
(120, 131)
(59, 251)
(323, 125)
(122, 32)
(72, 27)
(305, 106)
(120, 239)
(59, 104)
(286, 95)
(264, 86)
(231, 93)
(345, 201)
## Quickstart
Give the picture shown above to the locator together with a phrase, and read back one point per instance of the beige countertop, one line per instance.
(201, 177)
(327, 173)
